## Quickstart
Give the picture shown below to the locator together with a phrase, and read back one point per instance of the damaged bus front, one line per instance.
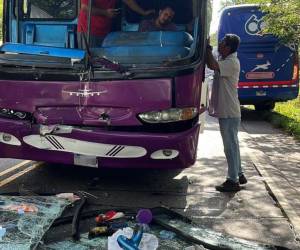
(135, 101)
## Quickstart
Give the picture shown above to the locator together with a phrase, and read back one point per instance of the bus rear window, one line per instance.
(54, 9)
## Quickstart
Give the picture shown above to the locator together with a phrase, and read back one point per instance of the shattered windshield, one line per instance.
(24, 220)
(166, 33)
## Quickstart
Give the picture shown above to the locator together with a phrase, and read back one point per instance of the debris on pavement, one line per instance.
(193, 233)
(166, 235)
(25, 222)
(136, 239)
(167, 230)
(20, 208)
(68, 196)
(25, 219)
(108, 216)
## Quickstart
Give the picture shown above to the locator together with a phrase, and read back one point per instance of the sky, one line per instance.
(215, 16)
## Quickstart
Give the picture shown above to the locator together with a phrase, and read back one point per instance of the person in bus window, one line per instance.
(226, 107)
(162, 22)
(103, 11)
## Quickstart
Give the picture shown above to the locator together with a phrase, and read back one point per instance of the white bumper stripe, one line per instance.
(63, 144)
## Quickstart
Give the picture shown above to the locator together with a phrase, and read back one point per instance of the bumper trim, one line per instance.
(64, 144)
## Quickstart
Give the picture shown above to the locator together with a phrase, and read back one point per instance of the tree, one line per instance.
(282, 17)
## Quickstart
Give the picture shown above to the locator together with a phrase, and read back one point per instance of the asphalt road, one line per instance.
(266, 210)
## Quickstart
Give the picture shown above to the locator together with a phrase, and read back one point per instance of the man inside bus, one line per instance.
(103, 11)
(226, 107)
(162, 22)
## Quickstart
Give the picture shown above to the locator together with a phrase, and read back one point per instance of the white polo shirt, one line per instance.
(225, 102)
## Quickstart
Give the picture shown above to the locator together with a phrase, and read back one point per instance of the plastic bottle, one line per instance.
(2, 232)
(167, 235)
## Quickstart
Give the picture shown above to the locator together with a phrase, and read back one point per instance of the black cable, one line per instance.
(77, 215)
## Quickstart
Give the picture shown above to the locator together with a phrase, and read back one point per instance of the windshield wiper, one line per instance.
(114, 66)
(91, 62)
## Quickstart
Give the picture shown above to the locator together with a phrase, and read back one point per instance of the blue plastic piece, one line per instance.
(142, 54)
(133, 242)
(36, 33)
(29, 33)
(154, 38)
(145, 47)
(42, 50)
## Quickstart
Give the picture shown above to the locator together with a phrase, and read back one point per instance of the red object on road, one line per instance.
(110, 215)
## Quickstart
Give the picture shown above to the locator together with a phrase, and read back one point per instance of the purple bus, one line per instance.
(136, 101)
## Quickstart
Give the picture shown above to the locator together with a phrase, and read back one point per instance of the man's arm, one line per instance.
(135, 7)
(211, 62)
(143, 26)
(99, 12)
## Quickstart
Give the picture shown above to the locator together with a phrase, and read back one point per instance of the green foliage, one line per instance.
(209, 13)
(291, 110)
(56, 8)
(282, 18)
(214, 39)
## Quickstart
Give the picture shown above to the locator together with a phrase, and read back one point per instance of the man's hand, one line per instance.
(132, 4)
(111, 13)
(148, 12)
(211, 62)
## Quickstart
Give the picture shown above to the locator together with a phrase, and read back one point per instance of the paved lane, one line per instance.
(251, 214)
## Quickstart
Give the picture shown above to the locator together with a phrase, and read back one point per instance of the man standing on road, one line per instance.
(226, 106)
(103, 11)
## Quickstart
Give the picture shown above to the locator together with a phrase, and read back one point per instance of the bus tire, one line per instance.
(264, 106)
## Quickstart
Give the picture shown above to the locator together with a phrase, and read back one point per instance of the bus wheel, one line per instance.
(265, 106)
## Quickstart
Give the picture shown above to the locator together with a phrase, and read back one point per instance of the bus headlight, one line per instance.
(169, 115)
(14, 114)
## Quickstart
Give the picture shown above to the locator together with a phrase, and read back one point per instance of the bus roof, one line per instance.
(241, 6)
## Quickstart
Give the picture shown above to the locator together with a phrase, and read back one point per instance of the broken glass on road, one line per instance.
(25, 219)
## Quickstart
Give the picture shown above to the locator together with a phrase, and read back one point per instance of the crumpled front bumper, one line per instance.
(97, 147)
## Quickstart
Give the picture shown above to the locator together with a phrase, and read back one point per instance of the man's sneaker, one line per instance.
(229, 186)
(242, 179)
